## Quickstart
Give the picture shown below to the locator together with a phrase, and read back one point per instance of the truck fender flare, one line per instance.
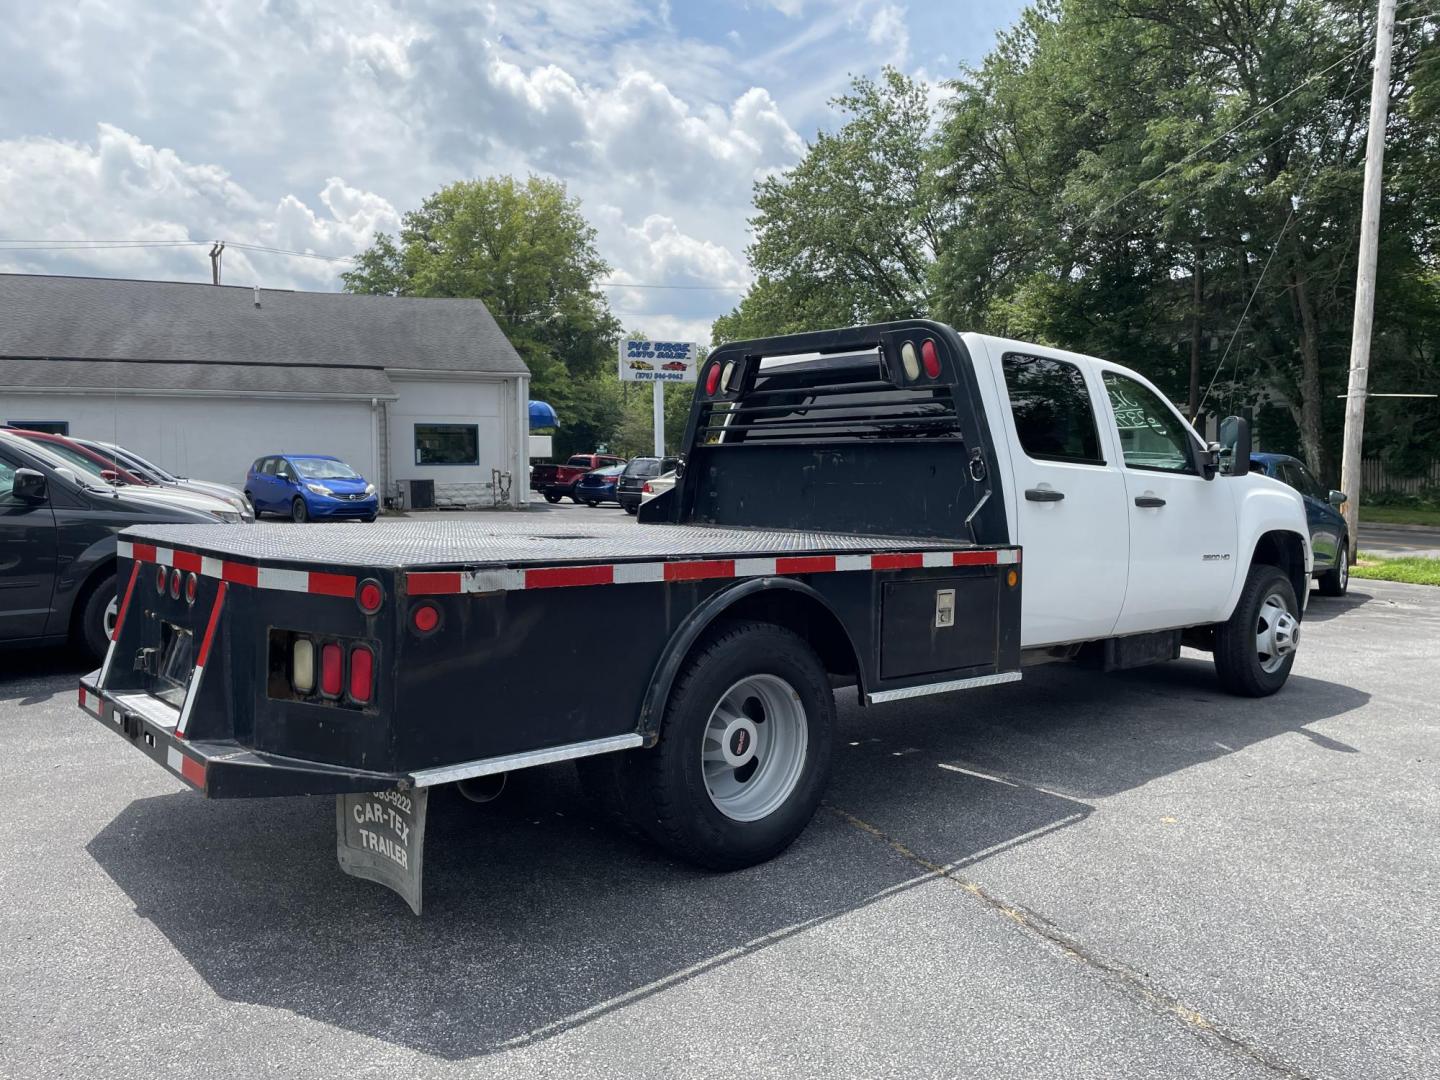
(652, 706)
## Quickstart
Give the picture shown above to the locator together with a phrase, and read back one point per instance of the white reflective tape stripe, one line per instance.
(482, 581)
(191, 693)
(273, 577)
(212, 567)
(633, 573)
(939, 558)
(173, 758)
(164, 556)
(754, 567)
(852, 562)
(125, 549)
(1005, 558)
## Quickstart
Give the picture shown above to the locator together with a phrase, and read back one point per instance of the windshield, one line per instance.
(68, 455)
(323, 469)
(580, 459)
(85, 476)
(643, 467)
(134, 462)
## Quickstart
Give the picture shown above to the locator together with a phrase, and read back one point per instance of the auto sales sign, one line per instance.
(658, 361)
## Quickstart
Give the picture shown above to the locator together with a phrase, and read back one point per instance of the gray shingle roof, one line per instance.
(116, 319)
(224, 378)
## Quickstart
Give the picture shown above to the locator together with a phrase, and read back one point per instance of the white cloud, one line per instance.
(121, 188)
(889, 32)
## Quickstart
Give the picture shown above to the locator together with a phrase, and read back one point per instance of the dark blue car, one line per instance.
(1328, 538)
(310, 486)
(602, 485)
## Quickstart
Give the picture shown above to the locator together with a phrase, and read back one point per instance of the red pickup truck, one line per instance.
(557, 481)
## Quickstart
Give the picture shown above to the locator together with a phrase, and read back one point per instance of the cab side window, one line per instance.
(1307, 484)
(269, 467)
(1151, 435)
(1053, 415)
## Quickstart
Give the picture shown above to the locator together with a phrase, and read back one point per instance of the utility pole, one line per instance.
(216, 249)
(1350, 468)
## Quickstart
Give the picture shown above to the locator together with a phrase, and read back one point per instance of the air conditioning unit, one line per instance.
(421, 495)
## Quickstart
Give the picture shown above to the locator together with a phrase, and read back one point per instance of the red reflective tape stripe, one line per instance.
(1017, 556)
(902, 561)
(805, 564)
(142, 552)
(554, 577)
(974, 558)
(210, 627)
(239, 573)
(185, 560)
(332, 584)
(698, 571)
(433, 584)
(125, 604)
(192, 771)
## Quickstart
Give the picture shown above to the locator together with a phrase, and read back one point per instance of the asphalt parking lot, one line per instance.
(1079, 876)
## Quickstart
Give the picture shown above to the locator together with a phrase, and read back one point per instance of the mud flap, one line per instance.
(380, 836)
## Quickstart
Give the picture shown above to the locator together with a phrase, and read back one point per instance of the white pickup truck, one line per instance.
(898, 508)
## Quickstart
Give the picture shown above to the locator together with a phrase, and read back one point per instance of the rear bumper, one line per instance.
(219, 769)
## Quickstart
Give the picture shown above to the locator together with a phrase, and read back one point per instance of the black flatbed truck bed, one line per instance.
(376, 662)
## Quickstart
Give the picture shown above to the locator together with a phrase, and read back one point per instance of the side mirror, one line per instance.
(1337, 498)
(1235, 444)
(29, 485)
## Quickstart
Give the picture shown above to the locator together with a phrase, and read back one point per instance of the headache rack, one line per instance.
(871, 429)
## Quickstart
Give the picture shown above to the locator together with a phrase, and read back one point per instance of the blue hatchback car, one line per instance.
(309, 486)
(1328, 537)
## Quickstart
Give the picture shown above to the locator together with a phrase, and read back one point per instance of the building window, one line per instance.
(50, 427)
(447, 444)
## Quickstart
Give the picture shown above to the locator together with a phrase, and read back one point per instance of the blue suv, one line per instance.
(1328, 538)
(309, 486)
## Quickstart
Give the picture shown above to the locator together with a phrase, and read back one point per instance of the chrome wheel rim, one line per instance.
(1344, 567)
(752, 754)
(112, 615)
(1277, 633)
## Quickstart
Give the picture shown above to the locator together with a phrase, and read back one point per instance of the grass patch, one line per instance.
(1398, 515)
(1412, 571)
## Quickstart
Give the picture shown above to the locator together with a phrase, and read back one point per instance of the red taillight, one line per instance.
(647, 489)
(161, 574)
(370, 596)
(712, 379)
(930, 357)
(426, 618)
(362, 673)
(332, 663)
(175, 584)
(192, 585)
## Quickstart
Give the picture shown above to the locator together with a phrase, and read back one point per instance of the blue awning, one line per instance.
(542, 415)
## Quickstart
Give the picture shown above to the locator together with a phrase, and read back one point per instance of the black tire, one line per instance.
(632, 508)
(663, 790)
(91, 634)
(1237, 657)
(1336, 582)
(552, 499)
(369, 519)
(591, 503)
(299, 512)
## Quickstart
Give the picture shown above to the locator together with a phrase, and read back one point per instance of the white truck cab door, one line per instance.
(1183, 532)
(1070, 500)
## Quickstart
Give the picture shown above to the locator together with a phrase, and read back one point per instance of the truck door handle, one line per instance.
(1044, 494)
(1149, 501)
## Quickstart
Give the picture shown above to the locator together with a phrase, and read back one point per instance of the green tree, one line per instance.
(525, 249)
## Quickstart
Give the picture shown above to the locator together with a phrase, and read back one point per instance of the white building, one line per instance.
(203, 379)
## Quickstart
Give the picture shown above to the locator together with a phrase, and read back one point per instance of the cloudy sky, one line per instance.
(310, 124)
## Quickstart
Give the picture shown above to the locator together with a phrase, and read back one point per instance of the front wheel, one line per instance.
(552, 499)
(1255, 647)
(1335, 582)
(632, 508)
(744, 750)
(591, 503)
(299, 511)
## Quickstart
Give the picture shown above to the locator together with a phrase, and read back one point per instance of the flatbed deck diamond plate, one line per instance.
(516, 540)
